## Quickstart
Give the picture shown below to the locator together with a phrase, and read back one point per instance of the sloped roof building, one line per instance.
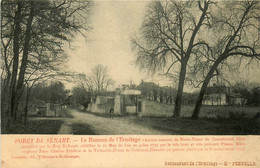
(222, 95)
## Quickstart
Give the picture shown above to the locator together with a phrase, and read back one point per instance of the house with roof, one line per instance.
(152, 91)
(222, 95)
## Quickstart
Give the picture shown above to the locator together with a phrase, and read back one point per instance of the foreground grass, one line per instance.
(46, 126)
(40, 125)
(222, 111)
(82, 129)
(203, 126)
(214, 120)
(237, 125)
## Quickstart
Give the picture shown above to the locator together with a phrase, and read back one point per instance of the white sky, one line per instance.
(108, 43)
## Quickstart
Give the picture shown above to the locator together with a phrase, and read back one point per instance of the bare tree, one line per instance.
(101, 78)
(6, 51)
(236, 32)
(85, 82)
(97, 81)
(169, 37)
(45, 26)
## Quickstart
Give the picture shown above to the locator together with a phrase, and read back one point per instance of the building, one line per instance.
(120, 102)
(162, 94)
(222, 95)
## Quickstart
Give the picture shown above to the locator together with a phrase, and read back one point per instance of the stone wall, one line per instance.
(131, 109)
(102, 105)
(48, 109)
(102, 108)
(156, 109)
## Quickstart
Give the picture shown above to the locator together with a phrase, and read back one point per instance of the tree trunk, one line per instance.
(26, 105)
(16, 41)
(20, 83)
(203, 89)
(5, 104)
(178, 100)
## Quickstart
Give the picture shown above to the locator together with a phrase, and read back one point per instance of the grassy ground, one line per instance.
(207, 126)
(39, 126)
(235, 124)
(185, 126)
(214, 120)
(82, 129)
(222, 111)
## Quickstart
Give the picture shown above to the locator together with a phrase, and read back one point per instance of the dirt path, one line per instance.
(85, 123)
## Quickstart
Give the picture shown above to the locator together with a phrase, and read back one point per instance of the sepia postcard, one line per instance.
(130, 83)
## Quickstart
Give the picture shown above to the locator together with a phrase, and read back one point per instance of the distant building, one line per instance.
(222, 95)
(148, 90)
(119, 102)
(152, 91)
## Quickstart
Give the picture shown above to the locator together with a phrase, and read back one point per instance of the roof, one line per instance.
(107, 93)
(151, 85)
(144, 84)
(235, 95)
(130, 92)
(217, 89)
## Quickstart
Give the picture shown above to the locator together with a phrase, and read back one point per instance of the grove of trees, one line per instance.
(54, 92)
(32, 40)
(195, 39)
(189, 42)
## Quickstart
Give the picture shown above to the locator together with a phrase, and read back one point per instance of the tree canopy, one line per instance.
(33, 36)
(169, 37)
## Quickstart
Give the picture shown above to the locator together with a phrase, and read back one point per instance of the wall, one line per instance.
(102, 105)
(131, 109)
(50, 110)
(156, 109)
(89, 107)
(102, 108)
(55, 110)
(117, 106)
